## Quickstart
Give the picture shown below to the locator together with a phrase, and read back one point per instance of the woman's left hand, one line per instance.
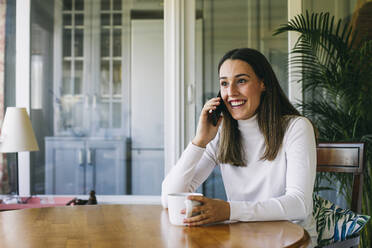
(211, 210)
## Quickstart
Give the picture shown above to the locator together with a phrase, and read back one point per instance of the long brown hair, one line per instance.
(273, 114)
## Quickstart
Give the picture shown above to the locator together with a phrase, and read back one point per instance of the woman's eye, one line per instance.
(242, 80)
(223, 83)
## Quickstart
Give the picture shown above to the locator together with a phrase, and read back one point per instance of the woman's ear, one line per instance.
(262, 86)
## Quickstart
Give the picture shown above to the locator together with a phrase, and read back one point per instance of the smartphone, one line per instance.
(215, 115)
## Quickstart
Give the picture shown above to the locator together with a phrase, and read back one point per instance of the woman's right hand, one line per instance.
(206, 131)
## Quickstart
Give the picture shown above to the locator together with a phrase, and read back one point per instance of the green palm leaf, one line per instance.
(337, 82)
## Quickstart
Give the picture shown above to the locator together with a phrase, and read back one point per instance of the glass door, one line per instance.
(101, 67)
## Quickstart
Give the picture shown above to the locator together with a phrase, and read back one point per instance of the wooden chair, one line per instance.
(345, 158)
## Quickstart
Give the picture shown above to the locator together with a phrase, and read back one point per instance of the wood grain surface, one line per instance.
(134, 226)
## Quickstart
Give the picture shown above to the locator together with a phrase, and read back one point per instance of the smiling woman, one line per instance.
(241, 89)
(258, 87)
(264, 148)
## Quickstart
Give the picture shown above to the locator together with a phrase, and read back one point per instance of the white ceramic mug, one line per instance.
(177, 202)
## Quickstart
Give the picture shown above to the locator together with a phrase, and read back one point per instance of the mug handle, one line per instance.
(189, 207)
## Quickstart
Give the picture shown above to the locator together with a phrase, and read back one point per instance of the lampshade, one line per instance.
(17, 134)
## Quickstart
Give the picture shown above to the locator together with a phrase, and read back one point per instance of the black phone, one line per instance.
(215, 115)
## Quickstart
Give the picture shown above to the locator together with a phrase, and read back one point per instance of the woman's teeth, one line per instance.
(237, 103)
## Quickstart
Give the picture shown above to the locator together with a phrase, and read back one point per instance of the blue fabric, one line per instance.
(334, 223)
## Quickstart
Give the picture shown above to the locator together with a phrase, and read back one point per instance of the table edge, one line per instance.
(303, 242)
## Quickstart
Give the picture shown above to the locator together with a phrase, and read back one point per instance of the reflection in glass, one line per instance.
(67, 4)
(66, 19)
(105, 19)
(79, 19)
(104, 115)
(105, 78)
(105, 43)
(117, 78)
(77, 119)
(117, 42)
(81, 111)
(78, 113)
(105, 4)
(117, 19)
(65, 118)
(79, 4)
(117, 4)
(66, 42)
(78, 84)
(116, 115)
(66, 81)
(79, 39)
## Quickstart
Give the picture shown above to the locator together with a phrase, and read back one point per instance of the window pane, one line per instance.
(105, 19)
(147, 171)
(105, 78)
(117, 42)
(79, 19)
(77, 118)
(79, 39)
(67, 42)
(104, 115)
(117, 78)
(79, 4)
(146, 64)
(78, 80)
(117, 19)
(116, 115)
(66, 87)
(67, 4)
(105, 4)
(117, 4)
(67, 20)
(105, 43)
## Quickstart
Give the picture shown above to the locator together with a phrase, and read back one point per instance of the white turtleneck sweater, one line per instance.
(262, 190)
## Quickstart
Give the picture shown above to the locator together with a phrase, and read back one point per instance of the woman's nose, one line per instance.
(232, 90)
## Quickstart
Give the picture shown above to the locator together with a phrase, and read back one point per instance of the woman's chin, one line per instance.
(241, 117)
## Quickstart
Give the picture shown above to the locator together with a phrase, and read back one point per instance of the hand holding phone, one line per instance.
(204, 132)
(215, 115)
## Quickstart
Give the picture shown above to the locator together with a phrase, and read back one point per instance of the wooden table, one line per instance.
(134, 226)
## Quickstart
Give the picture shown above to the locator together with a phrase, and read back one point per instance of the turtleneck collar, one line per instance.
(248, 122)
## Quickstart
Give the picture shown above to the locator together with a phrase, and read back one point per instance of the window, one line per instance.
(96, 94)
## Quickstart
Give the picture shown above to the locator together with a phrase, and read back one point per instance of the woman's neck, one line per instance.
(252, 121)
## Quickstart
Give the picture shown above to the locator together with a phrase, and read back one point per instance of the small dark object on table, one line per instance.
(91, 201)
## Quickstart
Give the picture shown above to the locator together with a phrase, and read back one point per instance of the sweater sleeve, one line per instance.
(296, 203)
(191, 170)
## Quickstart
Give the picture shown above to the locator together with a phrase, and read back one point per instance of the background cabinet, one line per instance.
(107, 89)
(78, 165)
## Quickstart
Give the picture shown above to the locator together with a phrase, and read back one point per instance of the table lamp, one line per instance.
(17, 134)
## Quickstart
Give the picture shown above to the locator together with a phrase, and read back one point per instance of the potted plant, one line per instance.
(336, 73)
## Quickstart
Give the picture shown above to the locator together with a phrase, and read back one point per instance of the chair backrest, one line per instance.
(346, 158)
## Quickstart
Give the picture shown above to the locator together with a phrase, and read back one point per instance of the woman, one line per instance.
(266, 150)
